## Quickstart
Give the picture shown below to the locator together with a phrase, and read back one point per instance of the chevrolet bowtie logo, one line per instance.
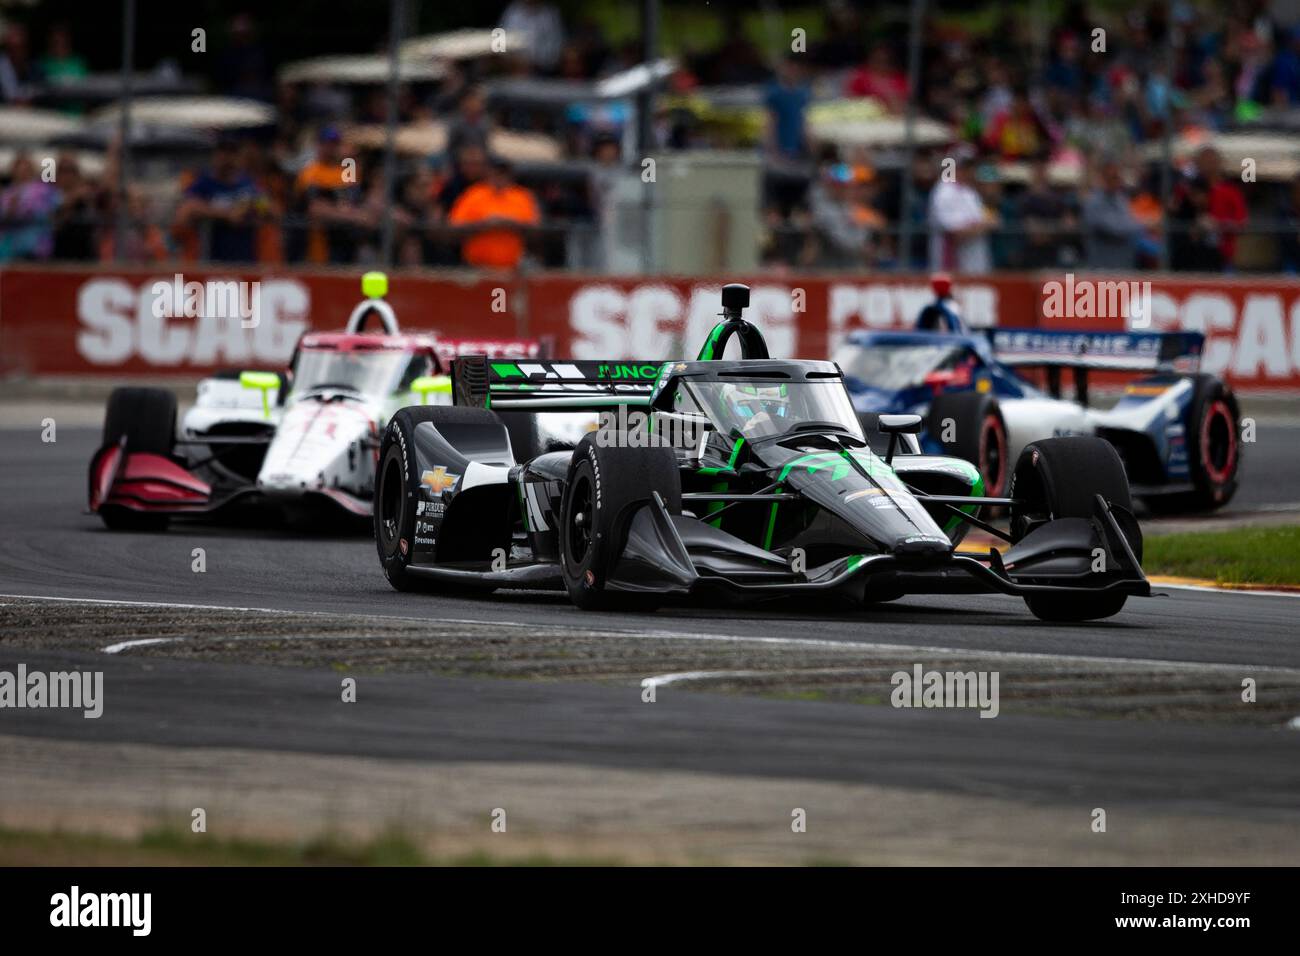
(438, 480)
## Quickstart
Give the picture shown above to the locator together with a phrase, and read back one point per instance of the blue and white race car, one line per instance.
(1176, 429)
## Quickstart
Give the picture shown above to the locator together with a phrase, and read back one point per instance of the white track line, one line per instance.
(861, 646)
(142, 642)
(662, 680)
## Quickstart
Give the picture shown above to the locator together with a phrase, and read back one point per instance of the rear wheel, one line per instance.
(1057, 478)
(146, 417)
(604, 486)
(970, 426)
(397, 489)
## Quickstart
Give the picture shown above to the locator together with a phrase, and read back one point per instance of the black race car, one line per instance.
(748, 480)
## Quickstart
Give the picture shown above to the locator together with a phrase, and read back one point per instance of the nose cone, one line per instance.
(863, 492)
(317, 445)
(922, 548)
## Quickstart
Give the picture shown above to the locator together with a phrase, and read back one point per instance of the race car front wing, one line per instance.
(680, 556)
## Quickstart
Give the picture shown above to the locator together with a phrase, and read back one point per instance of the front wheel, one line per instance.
(605, 485)
(398, 489)
(1059, 478)
(146, 418)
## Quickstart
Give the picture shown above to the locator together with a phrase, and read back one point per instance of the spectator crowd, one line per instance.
(1049, 162)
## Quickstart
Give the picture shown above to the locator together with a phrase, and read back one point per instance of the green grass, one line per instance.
(1237, 556)
(176, 846)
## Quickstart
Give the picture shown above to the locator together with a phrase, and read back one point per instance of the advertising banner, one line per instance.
(134, 322)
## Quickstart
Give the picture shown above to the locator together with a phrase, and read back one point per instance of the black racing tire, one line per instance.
(979, 435)
(1057, 478)
(603, 487)
(1075, 608)
(117, 518)
(397, 483)
(525, 435)
(1214, 450)
(147, 418)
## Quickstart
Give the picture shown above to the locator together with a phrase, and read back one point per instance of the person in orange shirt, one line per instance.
(328, 194)
(491, 214)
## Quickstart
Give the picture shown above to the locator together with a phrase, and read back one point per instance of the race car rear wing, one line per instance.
(1109, 351)
(568, 386)
(1082, 352)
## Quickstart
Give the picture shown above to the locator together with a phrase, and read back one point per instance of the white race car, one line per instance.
(294, 440)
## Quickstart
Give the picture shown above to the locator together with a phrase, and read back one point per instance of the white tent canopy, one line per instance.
(20, 124)
(1276, 154)
(193, 112)
(463, 44)
(369, 68)
(90, 162)
(864, 123)
(428, 138)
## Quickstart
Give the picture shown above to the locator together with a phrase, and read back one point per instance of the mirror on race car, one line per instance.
(264, 381)
(900, 424)
(895, 425)
(427, 385)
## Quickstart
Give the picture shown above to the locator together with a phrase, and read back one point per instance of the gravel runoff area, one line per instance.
(566, 812)
(1042, 684)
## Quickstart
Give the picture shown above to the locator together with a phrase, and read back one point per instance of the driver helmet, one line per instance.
(747, 402)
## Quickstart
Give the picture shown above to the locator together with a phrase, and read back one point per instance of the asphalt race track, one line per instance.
(50, 549)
